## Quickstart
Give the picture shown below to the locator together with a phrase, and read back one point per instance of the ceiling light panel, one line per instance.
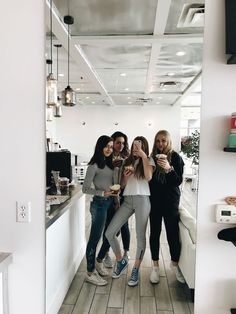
(133, 81)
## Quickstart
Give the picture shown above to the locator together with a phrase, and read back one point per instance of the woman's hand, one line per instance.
(164, 163)
(109, 193)
(127, 173)
(137, 151)
(117, 163)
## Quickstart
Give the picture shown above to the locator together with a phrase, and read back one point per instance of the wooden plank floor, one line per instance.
(167, 297)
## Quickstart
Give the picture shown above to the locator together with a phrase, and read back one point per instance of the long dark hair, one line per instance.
(98, 156)
(125, 151)
(131, 160)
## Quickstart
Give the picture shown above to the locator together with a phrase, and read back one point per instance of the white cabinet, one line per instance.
(65, 248)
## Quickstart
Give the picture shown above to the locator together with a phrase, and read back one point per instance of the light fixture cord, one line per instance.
(51, 30)
(57, 62)
(68, 55)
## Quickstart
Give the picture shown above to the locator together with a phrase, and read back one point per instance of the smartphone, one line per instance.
(138, 143)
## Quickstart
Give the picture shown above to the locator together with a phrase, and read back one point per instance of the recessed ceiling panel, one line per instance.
(109, 17)
(123, 80)
(118, 57)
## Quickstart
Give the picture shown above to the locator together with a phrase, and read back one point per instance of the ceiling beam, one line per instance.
(162, 11)
(60, 31)
(138, 39)
(190, 89)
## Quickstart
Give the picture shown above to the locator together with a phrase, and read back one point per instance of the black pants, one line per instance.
(125, 235)
(171, 221)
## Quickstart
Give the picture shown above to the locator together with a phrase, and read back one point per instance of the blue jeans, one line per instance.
(98, 210)
(125, 234)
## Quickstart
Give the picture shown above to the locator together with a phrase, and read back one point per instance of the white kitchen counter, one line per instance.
(5, 260)
(65, 248)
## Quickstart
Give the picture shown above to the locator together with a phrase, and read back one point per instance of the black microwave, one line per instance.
(58, 161)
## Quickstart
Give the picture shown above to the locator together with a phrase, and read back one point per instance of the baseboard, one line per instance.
(54, 306)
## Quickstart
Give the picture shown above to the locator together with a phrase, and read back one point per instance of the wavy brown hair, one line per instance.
(132, 159)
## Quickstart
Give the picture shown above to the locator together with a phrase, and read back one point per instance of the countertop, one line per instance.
(58, 210)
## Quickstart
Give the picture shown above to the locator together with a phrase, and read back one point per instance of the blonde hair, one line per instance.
(168, 149)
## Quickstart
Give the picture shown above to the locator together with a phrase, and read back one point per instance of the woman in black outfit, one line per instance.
(165, 197)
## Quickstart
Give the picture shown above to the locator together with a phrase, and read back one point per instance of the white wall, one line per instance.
(133, 121)
(22, 157)
(216, 259)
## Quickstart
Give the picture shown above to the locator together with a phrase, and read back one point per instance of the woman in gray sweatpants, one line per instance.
(138, 171)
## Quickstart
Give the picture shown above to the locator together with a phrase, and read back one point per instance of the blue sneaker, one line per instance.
(134, 278)
(120, 267)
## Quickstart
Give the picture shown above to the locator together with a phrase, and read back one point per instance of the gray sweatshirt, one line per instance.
(99, 180)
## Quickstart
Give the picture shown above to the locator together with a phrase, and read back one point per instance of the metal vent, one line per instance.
(144, 100)
(192, 15)
(169, 84)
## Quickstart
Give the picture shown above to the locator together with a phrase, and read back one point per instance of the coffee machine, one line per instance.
(58, 161)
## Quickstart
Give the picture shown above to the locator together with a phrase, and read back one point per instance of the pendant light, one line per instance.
(68, 94)
(57, 108)
(51, 89)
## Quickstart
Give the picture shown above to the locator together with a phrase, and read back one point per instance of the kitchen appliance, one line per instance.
(58, 161)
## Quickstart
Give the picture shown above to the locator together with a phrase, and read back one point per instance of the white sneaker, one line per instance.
(178, 273)
(100, 269)
(107, 262)
(155, 275)
(95, 279)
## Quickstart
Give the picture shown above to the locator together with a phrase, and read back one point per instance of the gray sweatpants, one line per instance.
(140, 205)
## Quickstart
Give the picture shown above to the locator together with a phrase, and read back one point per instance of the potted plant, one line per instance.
(190, 146)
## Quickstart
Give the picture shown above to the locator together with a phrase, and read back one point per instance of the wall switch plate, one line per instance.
(23, 212)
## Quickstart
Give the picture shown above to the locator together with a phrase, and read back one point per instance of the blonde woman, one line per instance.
(165, 197)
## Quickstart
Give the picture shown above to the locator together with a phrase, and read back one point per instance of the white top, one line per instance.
(135, 186)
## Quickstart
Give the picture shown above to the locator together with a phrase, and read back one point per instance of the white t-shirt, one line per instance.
(135, 186)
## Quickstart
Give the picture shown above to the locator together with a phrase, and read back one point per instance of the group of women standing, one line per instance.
(148, 186)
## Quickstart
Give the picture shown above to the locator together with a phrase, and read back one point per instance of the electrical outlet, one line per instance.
(23, 212)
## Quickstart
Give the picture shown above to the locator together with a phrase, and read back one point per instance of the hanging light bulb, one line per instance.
(51, 88)
(68, 94)
(58, 107)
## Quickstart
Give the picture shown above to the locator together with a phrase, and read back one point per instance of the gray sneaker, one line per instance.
(134, 278)
(100, 269)
(120, 267)
(95, 279)
(107, 262)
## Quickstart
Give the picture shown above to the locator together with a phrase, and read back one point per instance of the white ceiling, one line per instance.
(124, 52)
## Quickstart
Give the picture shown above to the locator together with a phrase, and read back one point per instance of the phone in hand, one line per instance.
(137, 143)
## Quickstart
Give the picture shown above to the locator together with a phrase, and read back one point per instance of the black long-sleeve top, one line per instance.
(165, 192)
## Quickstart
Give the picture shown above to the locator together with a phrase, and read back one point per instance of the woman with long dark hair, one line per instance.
(98, 180)
(138, 170)
(120, 153)
(165, 197)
